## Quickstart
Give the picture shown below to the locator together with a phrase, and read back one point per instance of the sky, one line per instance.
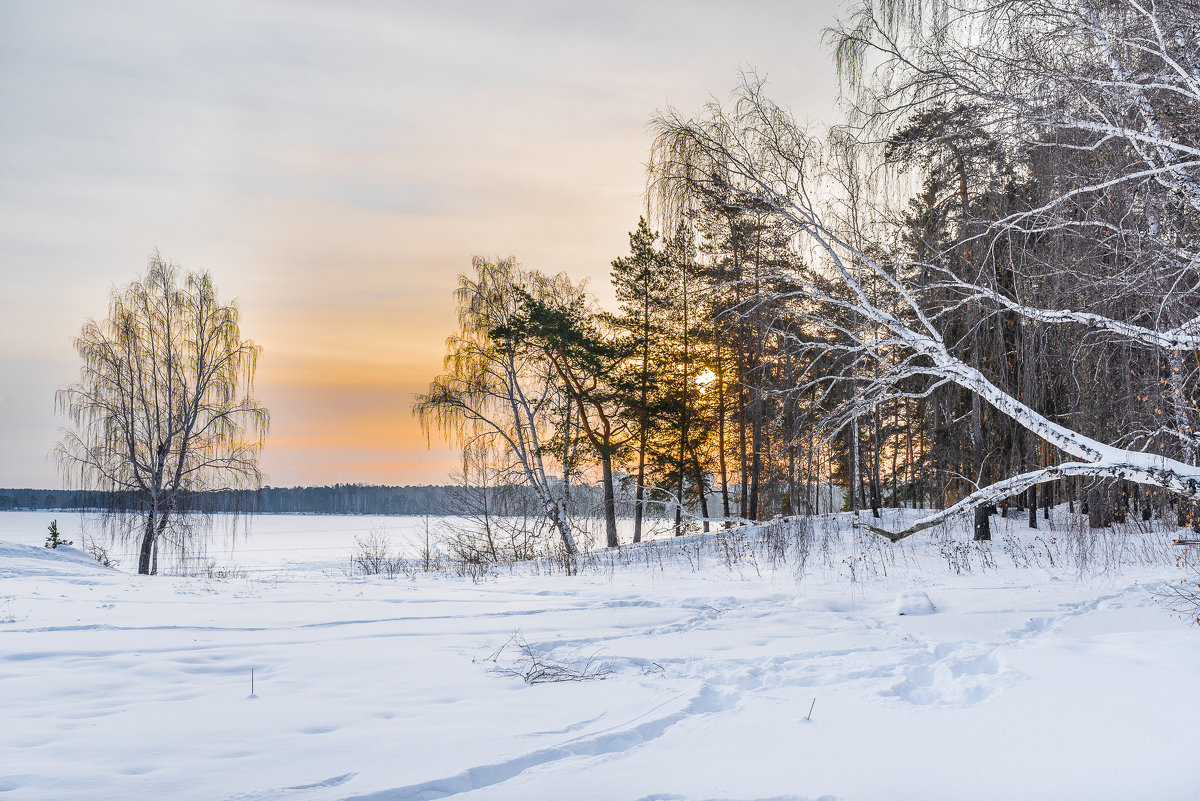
(335, 166)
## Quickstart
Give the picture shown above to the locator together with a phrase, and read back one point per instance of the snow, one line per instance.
(913, 602)
(1043, 673)
(268, 544)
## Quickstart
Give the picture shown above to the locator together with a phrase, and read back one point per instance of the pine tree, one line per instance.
(587, 361)
(53, 540)
(640, 283)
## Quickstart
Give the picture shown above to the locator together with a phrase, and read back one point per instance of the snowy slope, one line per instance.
(1036, 681)
(18, 560)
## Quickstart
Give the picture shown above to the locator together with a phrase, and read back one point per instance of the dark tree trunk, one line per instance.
(702, 490)
(156, 524)
(875, 480)
(610, 502)
(1095, 508)
(1118, 503)
(792, 494)
(755, 451)
(639, 496)
(721, 435)
(146, 551)
(679, 501)
(743, 463)
(983, 524)
(852, 468)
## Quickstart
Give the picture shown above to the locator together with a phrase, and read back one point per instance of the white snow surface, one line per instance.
(1042, 674)
(913, 602)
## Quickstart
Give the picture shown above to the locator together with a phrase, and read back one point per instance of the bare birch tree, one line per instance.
(164, 408)
(497, 392)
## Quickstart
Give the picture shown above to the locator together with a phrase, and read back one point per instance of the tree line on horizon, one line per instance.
(330, 499)
(334, 499)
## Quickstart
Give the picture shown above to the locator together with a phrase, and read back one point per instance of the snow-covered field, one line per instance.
(1035, 668)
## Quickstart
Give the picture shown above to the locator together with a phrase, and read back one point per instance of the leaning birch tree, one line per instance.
(498, 392)
(164, 407)
(755, 152)
(1104, 95)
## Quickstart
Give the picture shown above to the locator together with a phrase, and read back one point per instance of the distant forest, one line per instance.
(339, 499)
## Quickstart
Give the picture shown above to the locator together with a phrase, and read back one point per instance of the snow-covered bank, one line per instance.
(1021, 682)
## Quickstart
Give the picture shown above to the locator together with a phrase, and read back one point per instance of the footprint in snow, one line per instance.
(961, 678)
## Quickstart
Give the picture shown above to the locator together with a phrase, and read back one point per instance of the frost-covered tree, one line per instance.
(1099, 99)
(753, 150)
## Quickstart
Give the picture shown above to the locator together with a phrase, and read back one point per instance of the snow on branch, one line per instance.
(758, 156)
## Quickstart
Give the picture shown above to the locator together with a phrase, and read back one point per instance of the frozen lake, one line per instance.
(256, 544)
(265, 543)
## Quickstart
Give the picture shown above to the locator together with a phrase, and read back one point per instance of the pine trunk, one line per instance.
(610, 502)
